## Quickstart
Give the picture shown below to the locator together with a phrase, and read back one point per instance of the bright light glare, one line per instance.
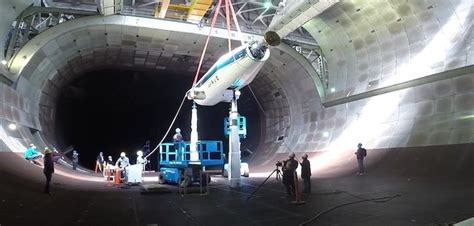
(267, 4)
(13, 144)
(435, 51)
(333, 90)
(326, 134)
(12, 126)
(4, 62)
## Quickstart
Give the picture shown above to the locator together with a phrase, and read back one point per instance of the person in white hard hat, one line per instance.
(122, 163)
(178, 144)
(140, 159)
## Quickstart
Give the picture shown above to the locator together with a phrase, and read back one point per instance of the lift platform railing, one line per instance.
(241, 123)
(210, 153)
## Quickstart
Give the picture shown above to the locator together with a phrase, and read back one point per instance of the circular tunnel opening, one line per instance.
(116, 110)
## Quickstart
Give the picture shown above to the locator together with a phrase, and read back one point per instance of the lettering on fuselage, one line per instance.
(213, 81)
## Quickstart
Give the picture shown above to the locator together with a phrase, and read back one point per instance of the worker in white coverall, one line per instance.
(122, 163)
(141, 160)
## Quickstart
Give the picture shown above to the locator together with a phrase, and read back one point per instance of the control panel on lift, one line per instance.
(241, 123)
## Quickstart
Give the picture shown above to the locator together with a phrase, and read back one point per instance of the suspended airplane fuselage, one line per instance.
(232, 71)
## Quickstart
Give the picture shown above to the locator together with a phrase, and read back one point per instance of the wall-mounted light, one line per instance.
(267, 4)
(333, 90)
(12, 126)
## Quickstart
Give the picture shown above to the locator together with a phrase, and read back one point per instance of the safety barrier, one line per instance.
(98, 166)
(118, 176)
(210, 153)
(108, 178)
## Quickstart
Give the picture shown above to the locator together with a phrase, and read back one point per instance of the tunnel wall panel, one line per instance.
(389, 42)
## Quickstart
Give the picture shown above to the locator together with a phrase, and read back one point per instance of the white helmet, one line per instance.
(178, 130)
(140, 153)
(122, 154)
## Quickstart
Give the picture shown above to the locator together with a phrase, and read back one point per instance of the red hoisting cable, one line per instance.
(207, 41)
(236, 22)
(227, 18)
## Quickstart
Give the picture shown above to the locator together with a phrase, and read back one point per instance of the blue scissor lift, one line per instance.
(174, 164)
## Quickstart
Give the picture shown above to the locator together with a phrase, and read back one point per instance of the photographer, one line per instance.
(289, 169)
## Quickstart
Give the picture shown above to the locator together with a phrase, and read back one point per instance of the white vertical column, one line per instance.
(194, 135)
(234, 146)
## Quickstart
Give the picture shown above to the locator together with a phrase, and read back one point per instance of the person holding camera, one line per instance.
(289, 170)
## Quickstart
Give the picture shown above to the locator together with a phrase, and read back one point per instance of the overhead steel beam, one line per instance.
(164, 8)
(403, 85)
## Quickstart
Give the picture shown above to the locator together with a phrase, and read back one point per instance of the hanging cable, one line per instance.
(236, 22)
(207, 41)
(169, 128)
(227, 19)
(381, 199)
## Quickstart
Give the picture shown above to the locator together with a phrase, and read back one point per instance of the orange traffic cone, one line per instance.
(109, 178)
(298, 200)
(96, 166)
(117, 177)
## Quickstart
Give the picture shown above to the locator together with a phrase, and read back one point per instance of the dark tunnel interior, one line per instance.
(116, 110)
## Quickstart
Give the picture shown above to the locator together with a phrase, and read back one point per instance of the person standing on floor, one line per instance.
(306, 174)
(361, 153)
(75, 159)
(141, 160)
(289, 171)
(100, 161)
(48, 169)
(122, 164)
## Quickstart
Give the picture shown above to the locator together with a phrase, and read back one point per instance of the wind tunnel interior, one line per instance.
(115, 110)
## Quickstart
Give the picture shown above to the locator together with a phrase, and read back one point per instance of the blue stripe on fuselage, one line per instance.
(220, 65)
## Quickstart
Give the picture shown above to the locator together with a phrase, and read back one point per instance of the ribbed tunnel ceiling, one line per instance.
(367, 46)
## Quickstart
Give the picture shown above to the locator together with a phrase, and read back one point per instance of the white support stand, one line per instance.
(194, 135)
(234, 145)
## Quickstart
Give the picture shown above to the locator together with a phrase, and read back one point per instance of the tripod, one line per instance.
(278, 178)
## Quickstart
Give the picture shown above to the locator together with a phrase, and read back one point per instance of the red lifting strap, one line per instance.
(216, 12)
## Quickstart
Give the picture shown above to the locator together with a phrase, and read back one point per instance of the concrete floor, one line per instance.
(86, 200)
(422, 202)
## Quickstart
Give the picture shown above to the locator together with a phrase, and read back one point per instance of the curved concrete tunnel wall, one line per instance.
(437, 113)
(60, 54)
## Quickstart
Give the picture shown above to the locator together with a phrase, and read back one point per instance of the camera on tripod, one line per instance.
(280, 163)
